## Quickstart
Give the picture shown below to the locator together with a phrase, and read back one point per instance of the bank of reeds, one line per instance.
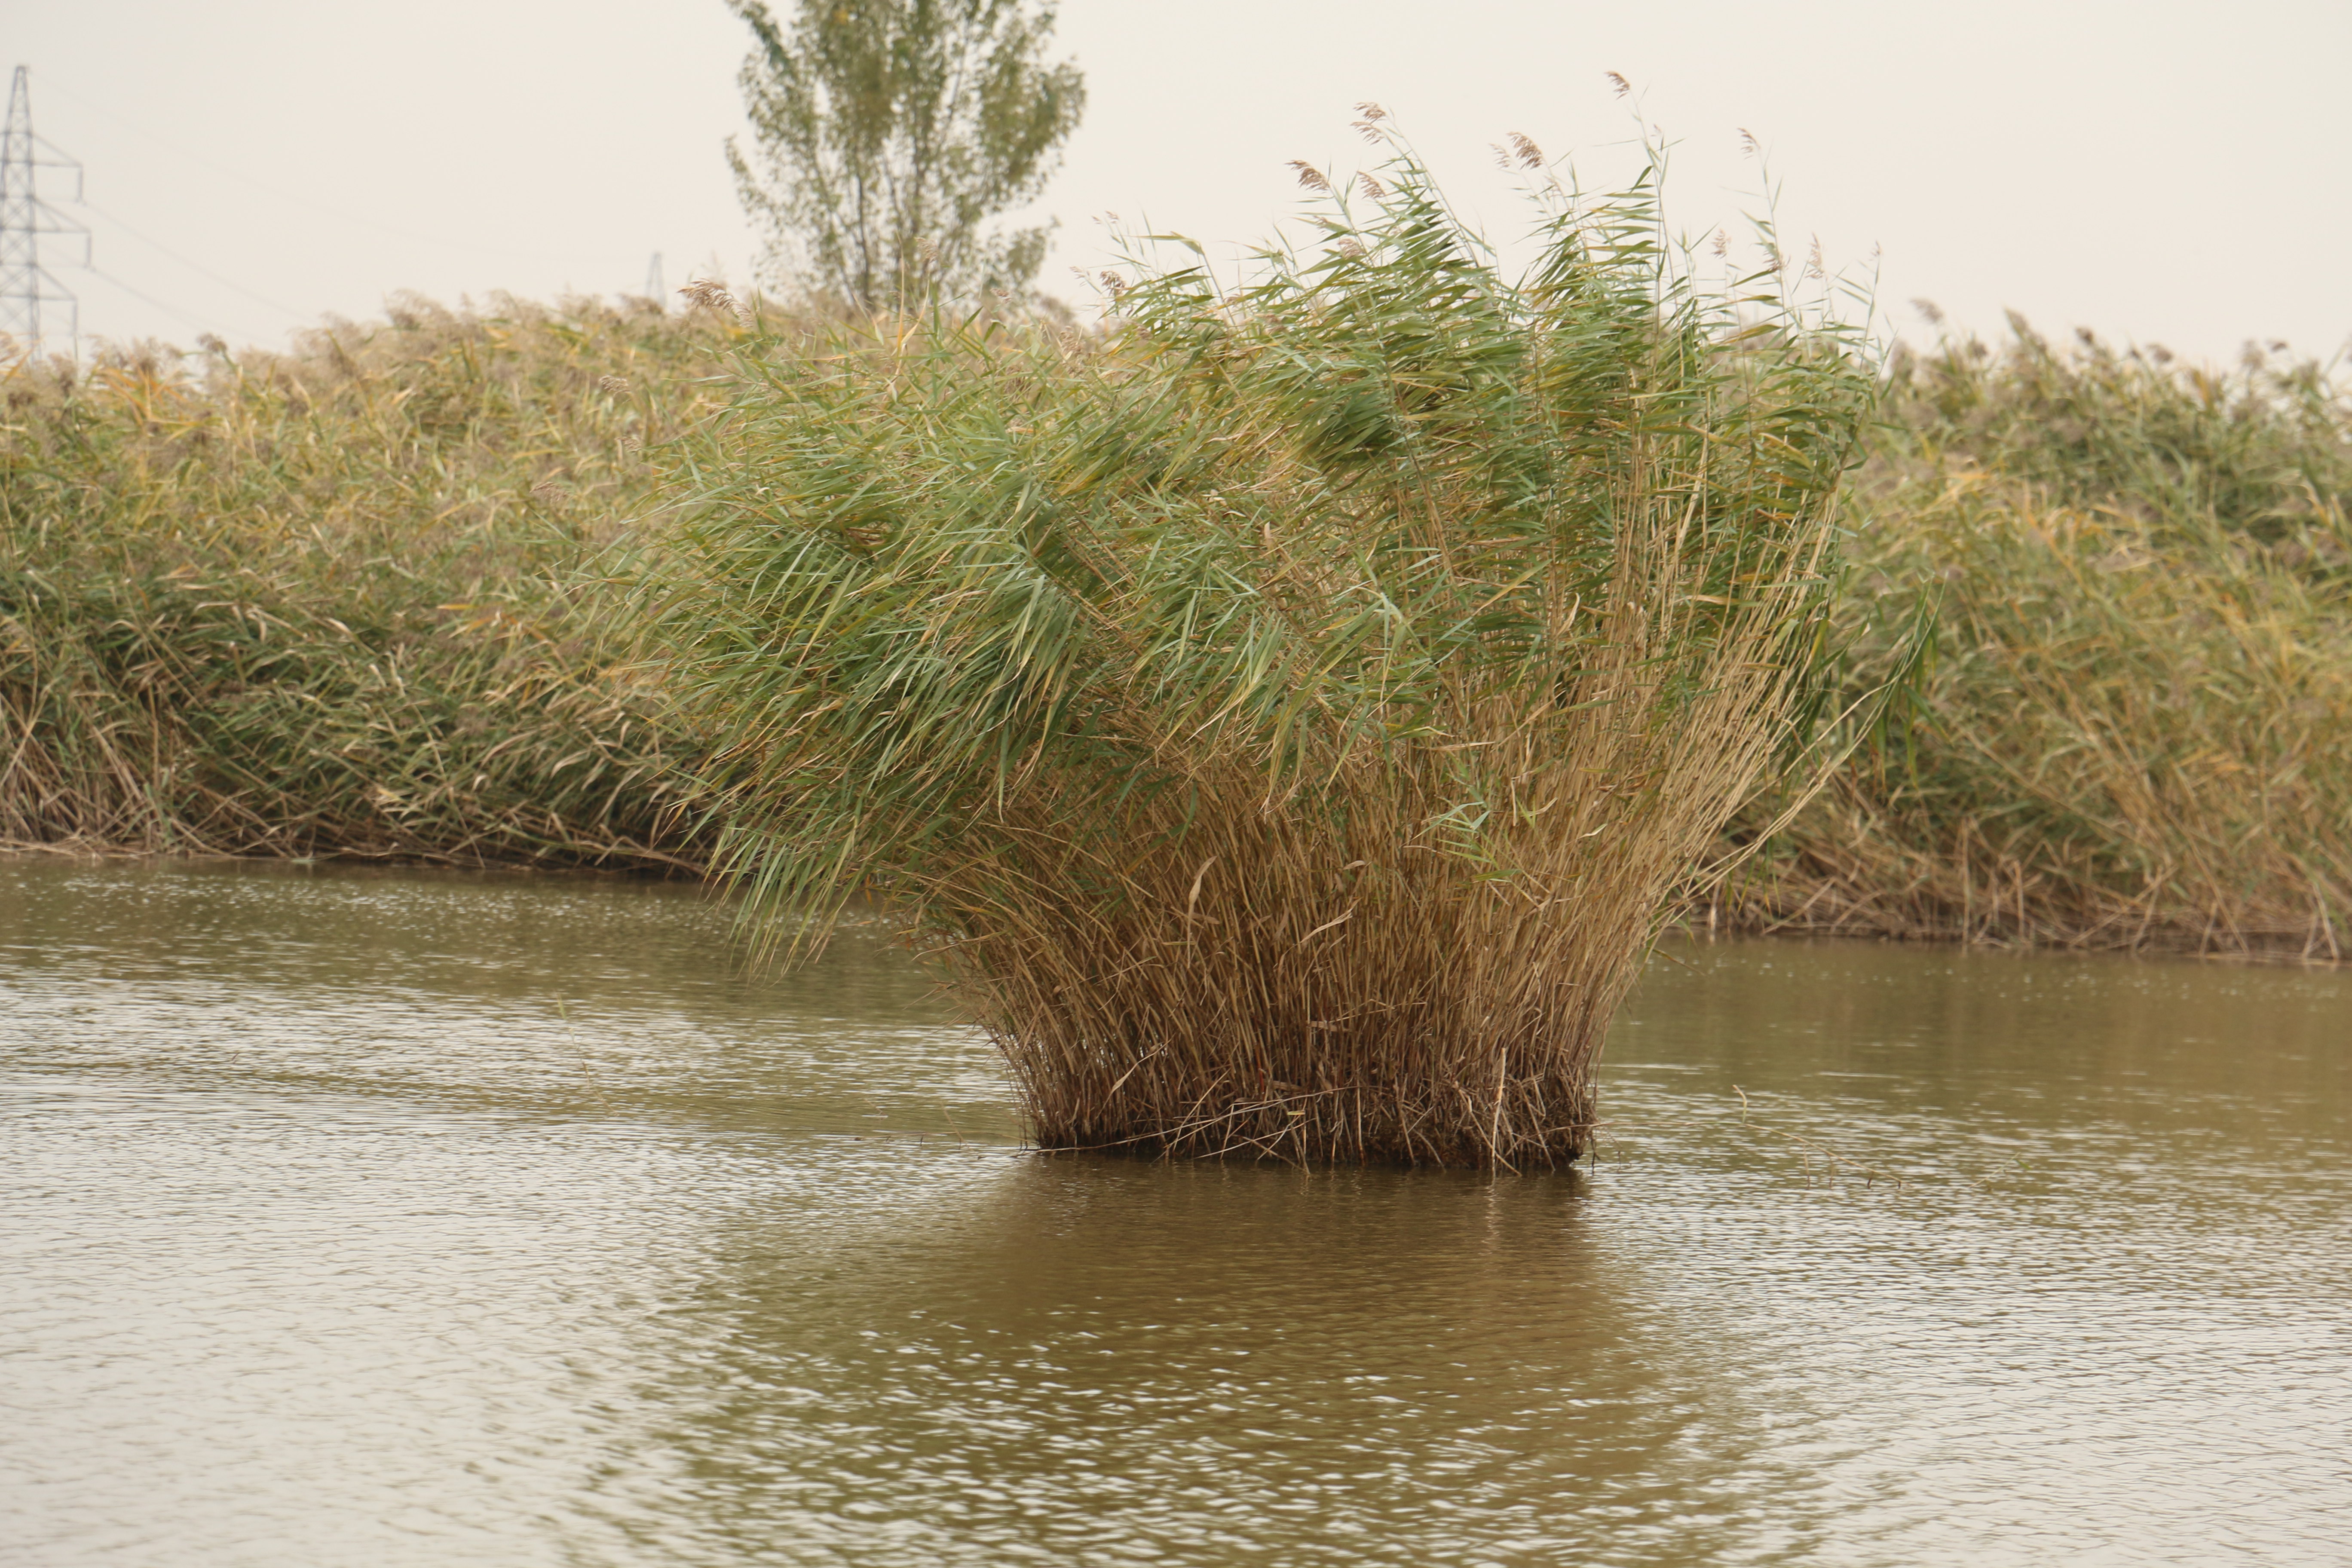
(360, 598)
(2134, 728)
(345, 599)
(1288, 720)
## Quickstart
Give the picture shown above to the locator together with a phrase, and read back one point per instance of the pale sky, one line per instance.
(2162, 173)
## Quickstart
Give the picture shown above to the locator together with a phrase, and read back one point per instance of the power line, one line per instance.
(30, 296)
(177, 150)
(193, 266)
(28, 291)
(108, 277)
(59, 295)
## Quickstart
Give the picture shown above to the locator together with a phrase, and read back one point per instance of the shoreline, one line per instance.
(1738, 919)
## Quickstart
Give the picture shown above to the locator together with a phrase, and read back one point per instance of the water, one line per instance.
(399, 1219)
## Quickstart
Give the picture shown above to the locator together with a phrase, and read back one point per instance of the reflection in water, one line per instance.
(1082, 1356)
(416, 1219)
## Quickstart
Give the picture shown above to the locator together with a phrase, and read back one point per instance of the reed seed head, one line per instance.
(706, 293)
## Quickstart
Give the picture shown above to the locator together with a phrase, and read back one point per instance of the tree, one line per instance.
(890, 132)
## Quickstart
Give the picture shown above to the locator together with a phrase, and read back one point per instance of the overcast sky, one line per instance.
(2163, 173)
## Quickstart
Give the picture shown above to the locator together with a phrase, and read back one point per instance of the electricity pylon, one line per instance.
(30, 298)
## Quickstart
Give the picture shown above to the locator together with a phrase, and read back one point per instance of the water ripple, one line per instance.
(451, 1220)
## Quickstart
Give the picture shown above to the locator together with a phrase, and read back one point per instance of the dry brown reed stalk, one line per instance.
(1287, 721)
(1337, 978)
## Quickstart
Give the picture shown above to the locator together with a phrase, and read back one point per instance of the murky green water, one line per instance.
(396, 1218)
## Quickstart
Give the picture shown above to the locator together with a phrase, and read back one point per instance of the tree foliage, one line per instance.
(888, 132)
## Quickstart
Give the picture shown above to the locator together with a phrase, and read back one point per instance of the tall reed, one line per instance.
(1288, 720)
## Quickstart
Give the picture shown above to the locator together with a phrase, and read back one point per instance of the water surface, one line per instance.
(407, 1218)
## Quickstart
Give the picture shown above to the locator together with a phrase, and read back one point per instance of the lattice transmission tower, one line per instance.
(32, 301)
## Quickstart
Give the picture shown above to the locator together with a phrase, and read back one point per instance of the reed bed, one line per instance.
(383, 596)
(1288, 719)
(2133, 729)
(344, 600)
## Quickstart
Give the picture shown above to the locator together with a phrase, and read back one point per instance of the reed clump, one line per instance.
(2134, 724)
(1288, 717)
(344, 600)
